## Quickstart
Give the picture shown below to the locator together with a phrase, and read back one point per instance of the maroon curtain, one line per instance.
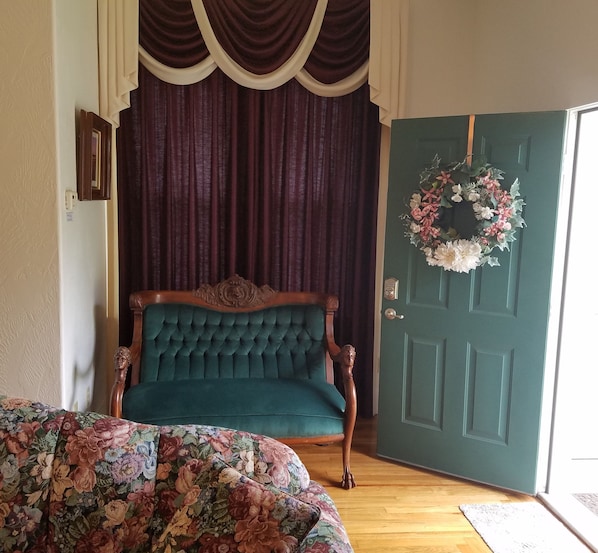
(277, 186)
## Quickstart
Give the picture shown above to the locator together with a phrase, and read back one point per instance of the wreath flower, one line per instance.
(460, 214)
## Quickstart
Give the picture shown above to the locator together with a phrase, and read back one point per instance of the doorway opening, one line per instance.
(573, 464)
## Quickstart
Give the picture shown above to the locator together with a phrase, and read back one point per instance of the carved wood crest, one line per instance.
(235, 291)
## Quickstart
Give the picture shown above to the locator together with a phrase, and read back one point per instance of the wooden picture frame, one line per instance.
(94, 154)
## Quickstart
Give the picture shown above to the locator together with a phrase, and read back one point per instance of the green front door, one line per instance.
(461, 375)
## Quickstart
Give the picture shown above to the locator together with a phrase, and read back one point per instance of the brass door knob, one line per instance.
(391, 314)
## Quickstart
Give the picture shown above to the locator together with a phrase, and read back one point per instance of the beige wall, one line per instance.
(29, 276)
(53, 275)
(439, 57)
(490, 56)
(536, 55)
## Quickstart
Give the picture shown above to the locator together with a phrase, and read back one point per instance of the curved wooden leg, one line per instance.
(348, 480)
(346, 357)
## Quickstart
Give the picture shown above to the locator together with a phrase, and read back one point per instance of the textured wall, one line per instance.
(53, 274)
(29, 273)
(489, 56)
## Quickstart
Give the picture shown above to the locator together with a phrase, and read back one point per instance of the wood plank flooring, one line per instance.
(396, 508)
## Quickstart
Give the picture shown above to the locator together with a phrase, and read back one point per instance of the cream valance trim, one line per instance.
(340, 88)
(200, 71)
(388, 55)
(118, 37)
(181, 76)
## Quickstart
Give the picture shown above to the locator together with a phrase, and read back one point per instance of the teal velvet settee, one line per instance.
(239, 356)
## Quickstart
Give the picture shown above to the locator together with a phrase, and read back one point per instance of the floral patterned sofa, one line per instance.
(77, 482)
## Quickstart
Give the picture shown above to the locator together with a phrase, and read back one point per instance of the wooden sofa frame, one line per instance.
(237, 295)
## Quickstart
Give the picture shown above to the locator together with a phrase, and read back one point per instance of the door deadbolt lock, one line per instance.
(391, 314)
(391, 289)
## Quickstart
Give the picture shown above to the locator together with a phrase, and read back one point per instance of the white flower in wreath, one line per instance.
(457, 197)
(416, 200)
(460, 256)
(482, 212)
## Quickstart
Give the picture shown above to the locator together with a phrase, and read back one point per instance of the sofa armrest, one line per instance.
(346, 359)
(123, 358)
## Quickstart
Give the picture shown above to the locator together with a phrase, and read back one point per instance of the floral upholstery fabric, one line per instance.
(329, 534)
(261, 458)
(79, 482)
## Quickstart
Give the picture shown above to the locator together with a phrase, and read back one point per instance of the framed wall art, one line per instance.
(93, 157)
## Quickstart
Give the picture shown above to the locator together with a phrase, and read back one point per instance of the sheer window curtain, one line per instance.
(277, 185)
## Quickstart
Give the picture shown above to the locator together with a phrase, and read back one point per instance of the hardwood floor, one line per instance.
(396, 508)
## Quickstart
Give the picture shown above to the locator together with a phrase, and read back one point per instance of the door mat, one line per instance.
(521, 528)
(589, 500)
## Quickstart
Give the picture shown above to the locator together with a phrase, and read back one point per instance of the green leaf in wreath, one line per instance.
(514, 191)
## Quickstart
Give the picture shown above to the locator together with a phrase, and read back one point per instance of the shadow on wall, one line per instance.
(90, 383)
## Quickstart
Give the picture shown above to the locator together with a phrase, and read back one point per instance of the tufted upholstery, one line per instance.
(189, 342)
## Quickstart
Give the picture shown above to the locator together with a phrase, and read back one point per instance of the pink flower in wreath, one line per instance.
(491, 230)
(431, 195)
(429, 232)
(490, 183)
(445, 178)
(417, 214)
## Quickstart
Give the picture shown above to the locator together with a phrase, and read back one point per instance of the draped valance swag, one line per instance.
(331, 47)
